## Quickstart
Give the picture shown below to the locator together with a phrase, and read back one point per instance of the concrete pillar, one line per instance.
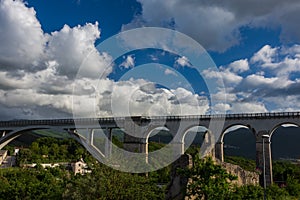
(3, 133)
(108, 142)
(134, 138)
(90, 136)
(219, 151)
(177, 148)
(208, 147)
(134, 144)
(263, 153)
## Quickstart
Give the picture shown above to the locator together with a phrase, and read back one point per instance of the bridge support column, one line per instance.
(134, 144)
(3, 133)
(90, 136)
(209, 148)
(264, 158)
(108, 142)
(219, 151)
(177, 148)
(134, 136)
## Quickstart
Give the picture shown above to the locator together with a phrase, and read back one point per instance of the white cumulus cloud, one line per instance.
(22, 38)
(216, 24)
(183, 62)
(74, 49)
(128, 62)
(239, 65)
(170, 72)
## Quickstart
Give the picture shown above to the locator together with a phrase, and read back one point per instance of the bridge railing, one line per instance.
(234, 115)
(56, 122)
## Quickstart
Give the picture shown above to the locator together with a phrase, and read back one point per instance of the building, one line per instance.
(80, 167)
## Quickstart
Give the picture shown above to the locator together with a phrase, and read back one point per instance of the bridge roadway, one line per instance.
(138, 128)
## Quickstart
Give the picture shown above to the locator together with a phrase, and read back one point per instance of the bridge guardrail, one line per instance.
(56, 122)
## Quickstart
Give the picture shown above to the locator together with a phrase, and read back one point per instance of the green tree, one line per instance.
(208, 180)
(275, 192)
(106, 183)
(54, 149)
(247, 192)
(31, 184)
(35, 147)
(79, 152)
(293, 186)
(44, 150)
(24, 157)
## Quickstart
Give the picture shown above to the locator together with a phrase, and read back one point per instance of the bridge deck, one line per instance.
(58, 122)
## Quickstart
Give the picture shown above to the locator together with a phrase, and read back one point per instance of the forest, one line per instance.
(209, 180)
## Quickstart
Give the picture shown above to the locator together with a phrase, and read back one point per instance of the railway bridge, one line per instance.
(95, 134)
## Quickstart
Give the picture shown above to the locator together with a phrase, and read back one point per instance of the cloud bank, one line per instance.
(268, 83)
(216, 24)
(38, 74)
(38, 71)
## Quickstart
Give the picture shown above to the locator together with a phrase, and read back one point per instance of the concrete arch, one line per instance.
(278, 147)
(279, 125)
(14, 134)
(149, 132)
(189, 128)
(195, 129)
(219, 149)
(227, 129)
(158, 128)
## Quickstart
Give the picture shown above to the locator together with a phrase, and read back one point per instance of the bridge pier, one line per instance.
(90, 136)
(134, 136)
(177, 148)
(108, 142)
(219, 151)
(264, 158)
(3, 133)
(134, 144)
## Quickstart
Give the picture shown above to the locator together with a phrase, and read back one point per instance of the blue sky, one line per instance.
(46, 44)
(111, 15)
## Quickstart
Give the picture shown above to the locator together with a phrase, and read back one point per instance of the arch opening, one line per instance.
(157, 138)
(285, 139)
(193, 139)
(109, 141)
(285, 152)
(239, 143)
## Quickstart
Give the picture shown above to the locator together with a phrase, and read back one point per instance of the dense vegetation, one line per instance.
(105, 183)
(209, 181)
(60, 183)
(244, 163)
(19, 183)
(57, 183)
(51, 150)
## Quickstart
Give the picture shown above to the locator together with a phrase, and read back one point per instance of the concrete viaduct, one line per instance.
(138, 129)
